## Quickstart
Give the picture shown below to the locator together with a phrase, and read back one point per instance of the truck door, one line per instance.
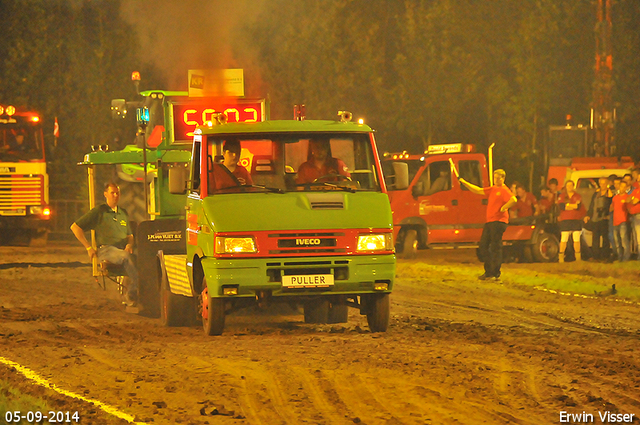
(472, 208)
(433, 188)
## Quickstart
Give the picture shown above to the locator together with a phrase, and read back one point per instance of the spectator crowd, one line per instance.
(612, 216)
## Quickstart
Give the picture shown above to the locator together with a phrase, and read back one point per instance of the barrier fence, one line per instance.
(64, 213)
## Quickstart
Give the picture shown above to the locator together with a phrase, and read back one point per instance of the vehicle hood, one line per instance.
(300, 210)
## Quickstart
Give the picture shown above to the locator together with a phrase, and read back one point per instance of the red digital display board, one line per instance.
(187, 116)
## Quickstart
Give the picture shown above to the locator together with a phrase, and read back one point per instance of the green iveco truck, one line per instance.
(323, 243)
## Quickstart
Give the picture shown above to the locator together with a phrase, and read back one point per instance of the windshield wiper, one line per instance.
(270, 189)
(253, 186)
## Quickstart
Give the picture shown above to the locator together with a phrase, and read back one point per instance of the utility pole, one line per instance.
(603, 112)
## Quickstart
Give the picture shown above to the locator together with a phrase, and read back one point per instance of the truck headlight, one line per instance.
(234, 245)
(374, 242)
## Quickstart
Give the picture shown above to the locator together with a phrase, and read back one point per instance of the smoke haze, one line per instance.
(189, 34)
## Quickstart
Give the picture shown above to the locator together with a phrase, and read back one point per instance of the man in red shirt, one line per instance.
(321, 165)
(635, 178)
(546, 202)
(526, 202)
(229, 173)
(633, 207)
(620, 226)
(500, 200)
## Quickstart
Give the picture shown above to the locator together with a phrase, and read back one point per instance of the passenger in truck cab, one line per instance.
(229, 173)
(321, 165)
(442, 183)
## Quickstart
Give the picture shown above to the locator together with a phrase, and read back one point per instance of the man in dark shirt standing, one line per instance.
(500, 200)
(114, 238)
(598, 215)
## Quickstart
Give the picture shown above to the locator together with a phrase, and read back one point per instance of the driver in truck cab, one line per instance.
(320, 165)
(229, 173)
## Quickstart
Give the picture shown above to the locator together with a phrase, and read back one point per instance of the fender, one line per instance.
(420, 225)
(175, 273)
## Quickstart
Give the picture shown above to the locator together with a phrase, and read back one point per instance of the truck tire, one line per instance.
(316, 311)
(132, 199)
(545, 248)
(175, 310)
(212, 313)
(410, 245)
(377, 312)
(338, 313)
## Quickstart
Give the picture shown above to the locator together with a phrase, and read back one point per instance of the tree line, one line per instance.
(448, 71)
(68, 60)
(419, 71)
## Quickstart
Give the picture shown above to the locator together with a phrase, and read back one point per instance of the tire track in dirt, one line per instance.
(317, 395)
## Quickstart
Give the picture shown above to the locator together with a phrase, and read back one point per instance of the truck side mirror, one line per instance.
(118, 109)
(401, 172)
(417, 189)
(177, 180)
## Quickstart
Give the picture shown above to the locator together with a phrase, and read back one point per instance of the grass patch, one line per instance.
(12, 399)
(583, 278)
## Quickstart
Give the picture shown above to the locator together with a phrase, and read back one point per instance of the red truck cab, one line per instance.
(432, 209)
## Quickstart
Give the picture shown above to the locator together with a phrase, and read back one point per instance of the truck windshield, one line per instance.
(20, 143)
(291, 162)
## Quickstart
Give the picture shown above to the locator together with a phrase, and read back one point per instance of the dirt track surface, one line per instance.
(458, 351)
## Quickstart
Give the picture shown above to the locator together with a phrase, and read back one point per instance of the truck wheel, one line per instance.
(378, 312)
(212, 313)
(338, 313)
(175, 310)
(410, 245)
(316, 311)
(545, 248)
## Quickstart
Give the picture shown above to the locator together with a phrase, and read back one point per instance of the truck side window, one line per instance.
(471, 172)
(194, 183)
(436, 178)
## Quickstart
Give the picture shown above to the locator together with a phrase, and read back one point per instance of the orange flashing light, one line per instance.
(135, 76)
(46, 212)
(35, 119)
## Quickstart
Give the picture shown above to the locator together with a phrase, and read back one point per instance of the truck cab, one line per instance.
(24, 181)
(324, 243)
(435, 204)
(432, 209)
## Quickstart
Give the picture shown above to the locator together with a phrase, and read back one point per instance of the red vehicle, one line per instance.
(432, 209)
(24, 182)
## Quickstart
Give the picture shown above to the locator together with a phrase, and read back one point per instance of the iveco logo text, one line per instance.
(307, 241)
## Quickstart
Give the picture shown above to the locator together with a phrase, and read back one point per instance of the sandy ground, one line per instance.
(458, 351)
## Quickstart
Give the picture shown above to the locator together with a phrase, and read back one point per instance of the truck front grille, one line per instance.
(307, 243)
(19, 191)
